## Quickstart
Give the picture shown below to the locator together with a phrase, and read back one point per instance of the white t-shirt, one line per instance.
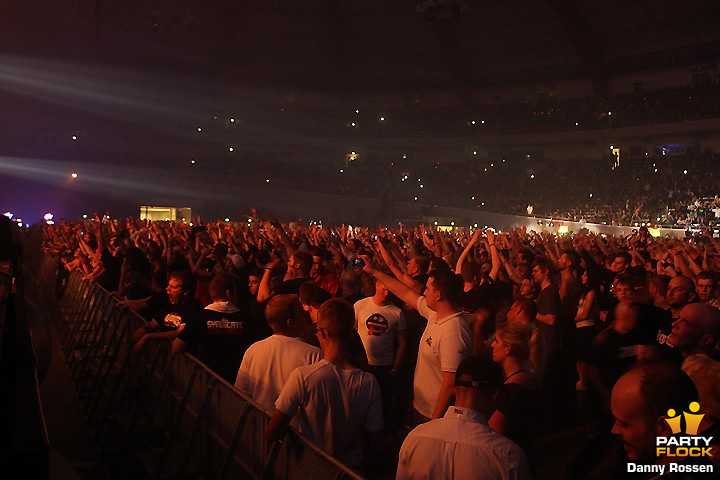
(460, 445)
(376, 326)
(334, 406)
(267, 365)
(444, 344)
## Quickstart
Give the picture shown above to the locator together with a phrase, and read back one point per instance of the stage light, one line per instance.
(342, 170)
(357, 111)
(74, 175)
(227, 219)
(8, 215)
(382, 119)
(532, 176)
(267, 180)
(192, 161)
(84, 215)
(232, 120)
(473, 122)
(231, 149)
(199, 129)
(352, 124)
(684, 172)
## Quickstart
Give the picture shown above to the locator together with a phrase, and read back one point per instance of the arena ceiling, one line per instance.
(372, 46)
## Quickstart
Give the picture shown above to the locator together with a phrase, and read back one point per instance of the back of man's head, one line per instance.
(337, 318)
(312, 295)
(280, 312)
(476, 380)
(221, 288)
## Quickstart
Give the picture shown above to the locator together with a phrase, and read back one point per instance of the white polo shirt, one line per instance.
(460, 445)
(444, 344)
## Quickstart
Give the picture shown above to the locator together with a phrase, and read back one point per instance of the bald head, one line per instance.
(680, 292)
(640, 402)
(697, 329)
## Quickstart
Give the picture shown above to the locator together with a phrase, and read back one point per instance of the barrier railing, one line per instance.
(171, 412)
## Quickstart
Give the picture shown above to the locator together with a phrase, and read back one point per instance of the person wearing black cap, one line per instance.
(461, 444)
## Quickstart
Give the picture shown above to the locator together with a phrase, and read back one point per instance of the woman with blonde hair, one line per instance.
(515, 403)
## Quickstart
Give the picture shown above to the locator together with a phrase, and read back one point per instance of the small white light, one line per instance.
(199, 129)
(416, 199)
(352, 153)
(611, 147)
(483, 204)
(452, 223)
(74, 175)
(267, 180)
(232, 120)
(227, 219)
(492, 164)
(418, 179)
(8, 215)
(486, 169)
(352, 124)
(532, 176)
(421, 185)
(472, 198)
(231, 149)
(404, 156)
(684, 172)
(47, 216)
(435, 223)
(503, 160)
(249, 220)
(382, 119)
(192, 161)
(474, 152)
(656, 170)
(341, 170)
(475, 225)
(609, 113)
(357, 111)
(591, 195)
(85, 215)
(483, 122)
(473, 122)
(191, 224)
(74, 137)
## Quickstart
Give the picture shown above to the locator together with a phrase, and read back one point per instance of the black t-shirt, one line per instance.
(219, 339)
(481, 296)
(548, 303)
(172, 316)
(520, 406)
(110, 279)
(615, 353)
(290, 286)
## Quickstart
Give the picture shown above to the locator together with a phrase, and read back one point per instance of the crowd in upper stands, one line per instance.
(479, 339)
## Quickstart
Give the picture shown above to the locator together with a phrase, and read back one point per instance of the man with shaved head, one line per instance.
(697, 330)
(640, 402)
(680, 292)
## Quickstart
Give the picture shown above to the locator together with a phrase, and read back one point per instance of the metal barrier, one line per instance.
(172, 412)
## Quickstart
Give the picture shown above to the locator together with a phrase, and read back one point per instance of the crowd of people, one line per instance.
(469, 346)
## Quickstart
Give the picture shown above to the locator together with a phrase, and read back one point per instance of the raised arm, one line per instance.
(398, 288)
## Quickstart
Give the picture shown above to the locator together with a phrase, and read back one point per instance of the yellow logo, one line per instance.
(692, 420)
(689, 444)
